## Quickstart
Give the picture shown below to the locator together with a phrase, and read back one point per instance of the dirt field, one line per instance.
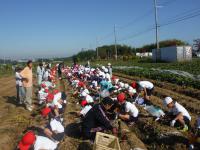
(147, 134)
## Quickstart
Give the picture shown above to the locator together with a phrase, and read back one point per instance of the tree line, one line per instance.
(123, 51)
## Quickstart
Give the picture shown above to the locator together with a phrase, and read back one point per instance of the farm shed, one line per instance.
(173, 53)
(144, 54)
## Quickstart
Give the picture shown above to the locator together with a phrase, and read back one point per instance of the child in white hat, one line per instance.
(180, 116)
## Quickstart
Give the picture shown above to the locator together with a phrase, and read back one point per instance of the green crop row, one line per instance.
(191, 67)
(6, 70)
(155, 75)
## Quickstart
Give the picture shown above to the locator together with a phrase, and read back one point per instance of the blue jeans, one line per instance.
(20, 94)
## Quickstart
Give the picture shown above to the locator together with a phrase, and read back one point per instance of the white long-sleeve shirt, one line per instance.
(18, 78)
(40, 71)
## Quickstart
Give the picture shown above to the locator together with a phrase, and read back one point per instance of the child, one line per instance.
(144, 87)
(54, 129)
(179, 115)
(85, 108)
(129, 112)
(32, 141)
(19, 87)
(42, 94)
(87, 97)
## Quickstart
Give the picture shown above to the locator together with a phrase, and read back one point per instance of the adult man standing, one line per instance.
(60, 67)
(40, 73)
(27, 76)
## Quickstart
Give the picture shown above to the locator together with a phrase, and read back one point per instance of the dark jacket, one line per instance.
(96, 117)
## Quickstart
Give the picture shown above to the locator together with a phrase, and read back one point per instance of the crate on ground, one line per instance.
(106, 142)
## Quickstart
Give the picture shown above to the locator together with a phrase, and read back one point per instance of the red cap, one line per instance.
(133, 84)
(83, 103)
(81, 84)
(50, 97)
(55, 91)
(43, 85)
(45, 111)
(121, 97)
(113, 78)
(46, 90)
(27, 140)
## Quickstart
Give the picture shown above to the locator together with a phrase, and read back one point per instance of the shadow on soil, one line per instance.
(84, 146)
(73, 130)
(11, 100)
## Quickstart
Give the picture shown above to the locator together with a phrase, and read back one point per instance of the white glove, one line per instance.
(172, 123)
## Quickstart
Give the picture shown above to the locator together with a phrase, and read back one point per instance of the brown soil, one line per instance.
(154, 134)
(146, 134)
(188, 91)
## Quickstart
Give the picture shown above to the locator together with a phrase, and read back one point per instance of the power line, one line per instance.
(186, 13)
(137, 34)
(168, 2)
(106, 36)
(194, 13)
(180, 19)
(148, 13)
(136, 20)
(164, 24)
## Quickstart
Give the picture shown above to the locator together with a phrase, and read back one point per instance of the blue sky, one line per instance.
(60, 28)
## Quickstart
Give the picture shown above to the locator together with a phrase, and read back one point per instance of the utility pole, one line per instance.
(115, 42)
(97, 50)
(156, 23)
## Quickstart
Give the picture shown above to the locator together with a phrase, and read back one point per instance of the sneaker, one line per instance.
(185, 129)
(157, 119)
(191, 147)
(130, 124)
(29, 108)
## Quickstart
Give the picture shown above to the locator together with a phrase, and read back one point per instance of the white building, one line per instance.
(173, 53)
(146, 54)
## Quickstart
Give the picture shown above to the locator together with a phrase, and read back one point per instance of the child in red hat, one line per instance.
(128, 112)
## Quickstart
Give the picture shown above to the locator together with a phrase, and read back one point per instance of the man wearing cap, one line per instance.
(96, 119)
(32, 141)
(179, 115)
(27, 76)
(129, 112)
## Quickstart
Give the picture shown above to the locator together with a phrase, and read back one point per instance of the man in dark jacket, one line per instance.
(60, 67)
(96, 119)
